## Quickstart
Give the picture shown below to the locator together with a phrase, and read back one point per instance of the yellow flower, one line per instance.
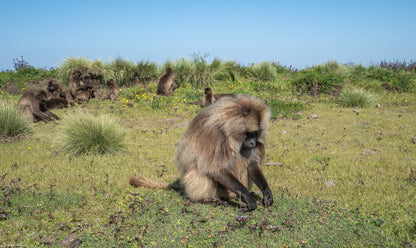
(121, 89)
(405, 100)
(127, 101)
(23, 88)
(29, 148)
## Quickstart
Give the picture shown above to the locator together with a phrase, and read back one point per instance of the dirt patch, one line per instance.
(13, 88)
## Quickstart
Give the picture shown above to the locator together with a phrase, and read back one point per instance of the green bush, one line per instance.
(351, 97)
(12, 122)
(319, 79)
(400, 81)
(87, 134)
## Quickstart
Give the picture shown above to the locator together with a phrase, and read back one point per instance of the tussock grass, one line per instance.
(353, 97)
(199, 73)
(12, 122)
(123, 71)
(264, 71)
(99, 69)
(88, 134)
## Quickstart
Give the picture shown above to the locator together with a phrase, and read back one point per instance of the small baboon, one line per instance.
(56, 103)
(112, 92)
(80, 91)
(210, 98)
(167, 85)
(33, 106)
(222, 152)
(54, 89)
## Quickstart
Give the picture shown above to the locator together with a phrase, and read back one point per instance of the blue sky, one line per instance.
(297, 33)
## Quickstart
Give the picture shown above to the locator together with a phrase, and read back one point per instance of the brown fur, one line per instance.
(75, 82)
(112, 92)
(79, 90)
(211, 160)
(167, 85)
(56, 103)
(54, 89)
(33, 106)
(210, 98)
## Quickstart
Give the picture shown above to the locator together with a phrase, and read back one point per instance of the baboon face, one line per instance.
(251, 140)
(110, 82)
(42, 96)
(169, 70)
(76, 75)
(208, 91)
(51, 87)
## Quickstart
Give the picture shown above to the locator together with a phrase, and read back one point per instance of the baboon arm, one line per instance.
(42, 116)
(256, 175)
(229, 181)
(51, 114)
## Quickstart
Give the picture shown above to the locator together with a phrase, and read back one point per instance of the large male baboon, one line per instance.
(112, 92)
(167, 85)
(33, 106)
(210, 98)
(80, 91)
(222, 152)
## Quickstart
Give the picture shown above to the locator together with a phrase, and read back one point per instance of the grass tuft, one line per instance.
(87, 134)
(12, 122)
(351, 97)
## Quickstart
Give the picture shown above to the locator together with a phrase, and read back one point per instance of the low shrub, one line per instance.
(400, 81)
(317, 80)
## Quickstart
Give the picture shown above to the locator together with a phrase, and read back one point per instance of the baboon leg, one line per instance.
(198, 187)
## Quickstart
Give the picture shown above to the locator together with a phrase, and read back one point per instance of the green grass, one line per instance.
(12, 122)
(345, 180)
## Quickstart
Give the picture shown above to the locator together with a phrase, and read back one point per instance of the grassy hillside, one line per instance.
(340, 176)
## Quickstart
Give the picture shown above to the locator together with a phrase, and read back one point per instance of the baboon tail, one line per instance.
(144, 182)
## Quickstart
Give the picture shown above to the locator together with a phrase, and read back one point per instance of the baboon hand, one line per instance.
(267, 201)
(251, 204)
